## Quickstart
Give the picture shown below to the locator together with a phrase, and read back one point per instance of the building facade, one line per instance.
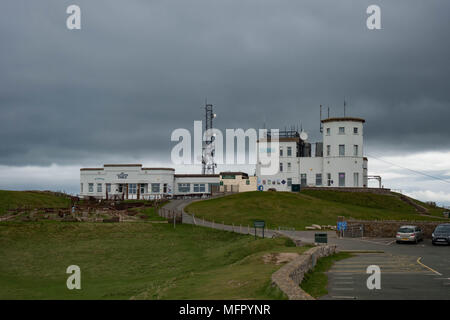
(337, 161)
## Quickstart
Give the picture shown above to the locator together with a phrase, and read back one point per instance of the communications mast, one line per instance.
(208, 164)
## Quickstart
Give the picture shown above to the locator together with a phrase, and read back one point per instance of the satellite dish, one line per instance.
(303, 135)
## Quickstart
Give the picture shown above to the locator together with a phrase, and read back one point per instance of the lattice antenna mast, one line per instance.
(208, 164)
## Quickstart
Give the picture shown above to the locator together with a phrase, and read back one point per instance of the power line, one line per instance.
(415, 171)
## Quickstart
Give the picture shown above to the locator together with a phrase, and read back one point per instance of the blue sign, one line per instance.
(342, 225)
(260, 188)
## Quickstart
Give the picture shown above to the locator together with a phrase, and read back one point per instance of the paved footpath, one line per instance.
(408, 271)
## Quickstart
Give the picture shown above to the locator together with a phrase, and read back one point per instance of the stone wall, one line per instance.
(289, 277)
(388, 229)
(350, 189)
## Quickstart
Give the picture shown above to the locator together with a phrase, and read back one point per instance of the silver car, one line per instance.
(409, 234)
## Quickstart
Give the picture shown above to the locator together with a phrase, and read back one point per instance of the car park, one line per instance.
(409, 234)
(441, 234)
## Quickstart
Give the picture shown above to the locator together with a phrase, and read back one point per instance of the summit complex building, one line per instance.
(337, 161)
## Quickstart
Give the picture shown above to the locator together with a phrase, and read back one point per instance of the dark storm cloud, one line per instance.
(139, 69)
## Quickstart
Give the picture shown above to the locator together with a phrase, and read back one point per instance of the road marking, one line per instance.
(427, 267)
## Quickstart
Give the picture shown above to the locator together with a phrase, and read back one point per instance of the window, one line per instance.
(99, 187)
(165, 188)
(289, 182)
(356, 179)
(341, 130)
(289, 151)
(269, 181)
(355, 150)
(318, 179)
(303, 179)
(355, 130)
(155, 188)
(328, 131)
(120, 188)
(328, 150)
(142, 187)
(281, 151)
(108, 187)
(91, 187)
(247, 182)
(289, 167)
(342, 150)
(81, 187)
(132, 188)
(341, 179)
(281, 166)
(329, 181)
(199, 187)
(184, 187)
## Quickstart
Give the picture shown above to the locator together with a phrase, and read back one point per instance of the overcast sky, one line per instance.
(116, 89)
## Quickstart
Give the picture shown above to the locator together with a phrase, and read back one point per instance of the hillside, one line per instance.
(30, 199)
(137, 261)
(303, 209)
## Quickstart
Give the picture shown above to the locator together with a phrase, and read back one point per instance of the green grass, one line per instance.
(302, 209)
(315, 281)
(135, 261)
(30, 200)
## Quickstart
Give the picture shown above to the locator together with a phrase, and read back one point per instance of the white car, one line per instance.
(409, 234)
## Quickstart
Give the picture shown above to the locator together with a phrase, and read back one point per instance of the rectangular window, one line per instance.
(281, 151)
(165, 188)
(328, 131)
(289, 182)
(341, 130)
(142, 187)
(328, 150)
(355, 130)
(289, 167)
(184, 187)
(329, 181)
(99, 187)
(120, 188)
(303, 179)
(155, 187)
(355, 150)
(341, 179)
(132, 188)
(281, 166)
(108, 187)
(356, 179)
(91, 187)
(342, 150)
(289, 151)
(318, 179)
(81, 187)
(199, 187)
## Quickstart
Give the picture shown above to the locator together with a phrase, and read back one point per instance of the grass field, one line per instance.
(30, 199)
(315, 281)
(135, 261)
(303, 209)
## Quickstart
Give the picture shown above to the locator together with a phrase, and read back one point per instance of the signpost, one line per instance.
(342, 226)
(259, 224)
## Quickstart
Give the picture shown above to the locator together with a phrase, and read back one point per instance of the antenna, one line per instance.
(328, 111)
(344, 106)
(208, 164)
(321, 127)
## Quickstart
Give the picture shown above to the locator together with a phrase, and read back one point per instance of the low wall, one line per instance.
(289, 277)
(388, 229)
(351, 189)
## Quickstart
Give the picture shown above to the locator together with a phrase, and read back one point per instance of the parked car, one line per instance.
(409, 234)
(441, 235)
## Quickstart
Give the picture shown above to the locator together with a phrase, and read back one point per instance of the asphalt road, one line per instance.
(408, 271)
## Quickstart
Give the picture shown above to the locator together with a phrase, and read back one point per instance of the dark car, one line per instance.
(441, 235)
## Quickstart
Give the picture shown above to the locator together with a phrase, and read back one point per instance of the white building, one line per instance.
(337, 161)
(132, 181)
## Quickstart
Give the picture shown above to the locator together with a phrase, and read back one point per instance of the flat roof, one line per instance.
(122, 165)
(281, 139)
(343, 119)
